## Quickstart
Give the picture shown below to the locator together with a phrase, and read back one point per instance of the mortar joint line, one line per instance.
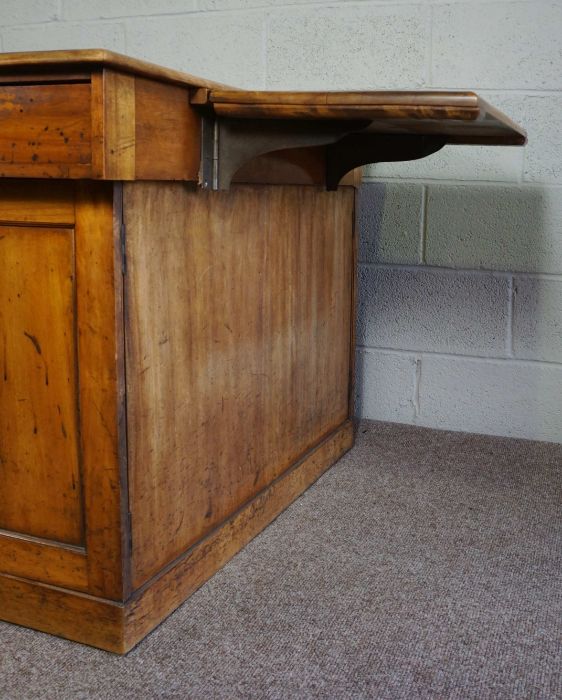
(417, 382)
(430, 51)
(511, 291)
(422, 253)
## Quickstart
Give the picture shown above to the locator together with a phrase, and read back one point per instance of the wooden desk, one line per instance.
(177, 265)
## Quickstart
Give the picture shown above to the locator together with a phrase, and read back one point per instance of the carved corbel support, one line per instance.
(228, 144)
(354, 150)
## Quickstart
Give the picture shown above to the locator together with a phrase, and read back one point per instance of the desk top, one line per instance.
(460, 116)
(137, 109)
(87, 59)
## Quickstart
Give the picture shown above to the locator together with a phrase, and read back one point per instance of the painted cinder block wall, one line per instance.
(460, 313)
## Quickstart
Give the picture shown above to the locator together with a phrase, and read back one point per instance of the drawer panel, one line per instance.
(45, 130)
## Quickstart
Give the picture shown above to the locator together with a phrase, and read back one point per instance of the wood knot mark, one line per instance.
(34, 341)
(38, 350)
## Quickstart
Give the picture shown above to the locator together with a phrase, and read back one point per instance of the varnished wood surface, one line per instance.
(60, 330)
(293, 166)
(461, 117)
(46, 61)
(40, 494)
(100, 331)
(240, 360)
(147, 130)
(119, 145)
(61, 612)
(45, 130)
(345, 111)
(167, 132)
(111, 126)
(120, 119)
(36, 201)
(154, 602)
(408, 98)
(253, 428)
(43, 560)
(118, 627)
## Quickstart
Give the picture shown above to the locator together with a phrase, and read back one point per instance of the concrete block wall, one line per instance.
(460, 313)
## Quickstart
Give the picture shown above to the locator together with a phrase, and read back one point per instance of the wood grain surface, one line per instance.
(122, 119)
(77, 59)
(100, 332)
(36, 201)
(40, 489)
(176, 365)
(461, 117)
(63, 613)
(412, 98)
(240, 361)
(119, 143)
(167, 132)
(61, 490)
(44, 560)
(45, 130)
(150, 605)
(118, 626)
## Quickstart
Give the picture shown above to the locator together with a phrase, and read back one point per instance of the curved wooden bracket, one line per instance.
(228, 144)
(354, 150)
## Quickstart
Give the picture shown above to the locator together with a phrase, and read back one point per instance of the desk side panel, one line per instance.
(238, 337)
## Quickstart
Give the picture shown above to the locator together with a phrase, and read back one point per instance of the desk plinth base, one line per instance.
(118, 627)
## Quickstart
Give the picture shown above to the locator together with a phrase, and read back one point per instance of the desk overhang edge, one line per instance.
(459, 117)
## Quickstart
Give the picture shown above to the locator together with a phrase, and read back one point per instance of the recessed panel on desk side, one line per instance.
(40, 482)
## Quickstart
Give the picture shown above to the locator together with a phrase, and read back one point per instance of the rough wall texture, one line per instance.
(460, 322)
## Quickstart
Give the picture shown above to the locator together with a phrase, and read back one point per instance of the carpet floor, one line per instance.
(425, 564)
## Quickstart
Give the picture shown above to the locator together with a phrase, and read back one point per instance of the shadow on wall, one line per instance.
(448, 277)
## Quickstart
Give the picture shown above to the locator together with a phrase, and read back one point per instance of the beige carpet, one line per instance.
(425, 564)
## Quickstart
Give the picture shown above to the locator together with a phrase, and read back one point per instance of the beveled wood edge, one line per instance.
(402, 108)
(117, 626)
(388, 111)
(488, 110)
(451, 98)
(103, 58)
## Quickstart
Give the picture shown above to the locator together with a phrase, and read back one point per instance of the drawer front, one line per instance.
(45, 130)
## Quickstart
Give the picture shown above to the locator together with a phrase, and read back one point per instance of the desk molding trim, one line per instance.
(118, 627)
